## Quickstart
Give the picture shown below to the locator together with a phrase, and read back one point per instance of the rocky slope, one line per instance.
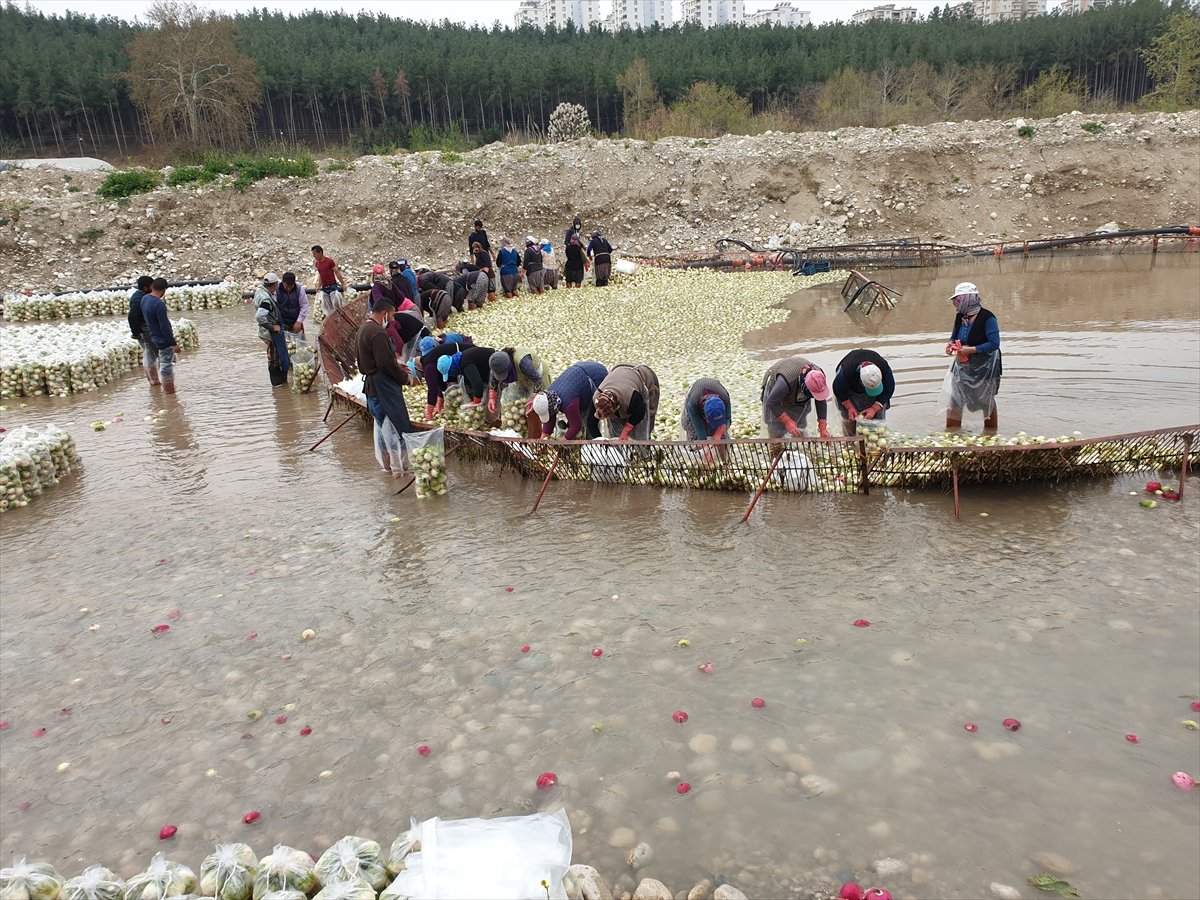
(967, 182)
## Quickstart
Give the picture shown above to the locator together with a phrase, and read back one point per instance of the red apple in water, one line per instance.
(6, 724)
(251, 817)
(423, 750)
(525, 649)
(1152, 486)
(280, 720)
(861, 623)
(758, 702)
(971, 727)
(159, 629)
(546, 780)
(1011, 724)
(1170, 495)
(597, 652)
(878, 893)
(679, 716)
(682, 788)
(1133, 738)
(851, 891)
(1196, 706)
(167, 832)
(305, 731)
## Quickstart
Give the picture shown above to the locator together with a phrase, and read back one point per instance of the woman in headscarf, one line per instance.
(516, 374)
(627, 402)
(406, 330)
(549, 266)
(569, 395)
(974, 377)
(532, 263)
(470, 368)
(863, 385)
(437, 305)
(381, 286)
(576, 262)
(471, 286)
(509, 261)
(706, 411)
(575, 228)
(481, 261)
(599, 251)
(432, 351)
(789, 389)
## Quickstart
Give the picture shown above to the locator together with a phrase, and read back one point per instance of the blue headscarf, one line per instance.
(426, 344)
(714, 412)
(448, 366)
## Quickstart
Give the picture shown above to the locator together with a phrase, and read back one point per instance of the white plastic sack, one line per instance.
(389, 449)
(29, 881)
(96, 883)
(795, 472)
(513, 858)
(625, 267)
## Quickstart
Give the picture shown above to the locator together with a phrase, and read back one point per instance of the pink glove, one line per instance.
(790, 424)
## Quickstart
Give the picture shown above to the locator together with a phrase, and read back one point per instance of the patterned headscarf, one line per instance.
(605, 403)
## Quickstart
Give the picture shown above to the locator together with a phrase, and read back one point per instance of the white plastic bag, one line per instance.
(427, 450)
(795, 472)
(228, 872)
(285, 869)
(512, 858)
(352, 858)
(164, 878)
(29, 881)
(96, 883)
(389, 449)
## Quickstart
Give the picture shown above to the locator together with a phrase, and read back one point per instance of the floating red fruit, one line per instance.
(1133, 738)
(173, 614)
(251, 817)
(1196, 706)
(851, 891)
(706, 668)
(546, 780)
(305, 731)
(1170, 495)
(24, 806)
(682, 788)
(597, 652)
(679, 716)
(861, 623)
(877, 893)
(167, 832)
(5, 725)
(39, 732)
(281, 720)
(509, 589)
(971, 727)
(1152, 486)
(1183, 781)
(1012, 724)
(525, 648)
(159, 629)
(423, 750)
(252, 635)
(758, 702)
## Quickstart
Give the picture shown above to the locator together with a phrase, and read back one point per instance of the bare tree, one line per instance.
(188, 77)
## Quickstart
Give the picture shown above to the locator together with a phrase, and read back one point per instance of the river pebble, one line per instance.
(1004, 891)
(621, 837)
(652, 889)
(703, 744)
(1054, 862)
(728, 892)
(889, 867)
(701, 891)
(639, 855)
(585, 883)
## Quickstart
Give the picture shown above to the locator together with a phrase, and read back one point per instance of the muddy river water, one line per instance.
(1068, 607)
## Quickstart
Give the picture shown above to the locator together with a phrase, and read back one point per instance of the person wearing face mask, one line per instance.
(974, 377)
(383, 376)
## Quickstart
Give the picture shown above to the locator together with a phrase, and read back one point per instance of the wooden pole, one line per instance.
(762, 487)
(549, 475)
(333, 432)
(325, 418)
(1187, 451)
(954, 471)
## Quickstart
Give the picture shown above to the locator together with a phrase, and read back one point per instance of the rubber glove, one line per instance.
(719, 433)
(626, 432)
(872, 411)
(491, 404)
(850, 410)
(823, 428)
(790, 424)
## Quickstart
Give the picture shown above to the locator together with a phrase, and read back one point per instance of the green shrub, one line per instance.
(1092, 127)
(119, 185)
(1026, 131)
(450, 157)
(255, 168)
(339, 165)
(191, 175)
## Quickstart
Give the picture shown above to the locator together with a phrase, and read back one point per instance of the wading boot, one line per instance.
(169, 385)
(953, 419)
(152, 375)
(992, 421)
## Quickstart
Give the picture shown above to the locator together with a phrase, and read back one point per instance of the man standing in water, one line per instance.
(160, 344)
(137, 327)
(333, 285)
(383, 377)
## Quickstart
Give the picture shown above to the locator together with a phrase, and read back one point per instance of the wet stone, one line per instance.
(1054, 862)
(652, 889)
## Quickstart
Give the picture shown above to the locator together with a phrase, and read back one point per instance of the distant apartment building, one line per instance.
(532, 12)
(784, 14)
(888, 13)
(635, 14)
(1007, 10)
(710, 13)
(959, 10)
(582, 13)
(1081, 6)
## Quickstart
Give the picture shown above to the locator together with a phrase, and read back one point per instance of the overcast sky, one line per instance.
(482, 12)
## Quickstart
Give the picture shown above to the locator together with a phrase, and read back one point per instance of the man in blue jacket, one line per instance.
(161, 341)
(137, 327)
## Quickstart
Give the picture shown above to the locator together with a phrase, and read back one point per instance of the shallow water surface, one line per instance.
(1068, 607)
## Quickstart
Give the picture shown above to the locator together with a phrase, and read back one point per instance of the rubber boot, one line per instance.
(993, 420)
(152, 375)
(491, 297)
(169, 385)
(953, 419)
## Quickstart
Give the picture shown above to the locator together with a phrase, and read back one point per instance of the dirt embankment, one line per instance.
(962, 182)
